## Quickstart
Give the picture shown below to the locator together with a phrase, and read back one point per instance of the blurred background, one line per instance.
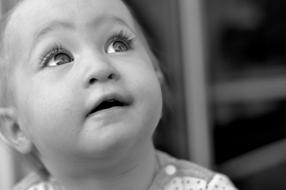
(225, 67)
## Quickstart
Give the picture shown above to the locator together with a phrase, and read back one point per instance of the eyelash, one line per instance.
(47, 56)
(120, 36)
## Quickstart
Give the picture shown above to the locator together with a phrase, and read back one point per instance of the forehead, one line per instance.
(32, 15)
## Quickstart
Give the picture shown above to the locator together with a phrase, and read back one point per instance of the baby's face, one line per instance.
(84, 81)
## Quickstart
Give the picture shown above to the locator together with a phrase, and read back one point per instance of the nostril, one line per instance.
(92, 80)
(102, 77)
(111, 76)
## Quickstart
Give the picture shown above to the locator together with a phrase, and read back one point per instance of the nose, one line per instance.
(99, 69)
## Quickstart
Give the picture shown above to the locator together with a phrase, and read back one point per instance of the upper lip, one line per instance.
(111, 99)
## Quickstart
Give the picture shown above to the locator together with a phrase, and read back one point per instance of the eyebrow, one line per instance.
(108, 18)
(54, 25)
(63, 24)
(68, 25)
(51, 27)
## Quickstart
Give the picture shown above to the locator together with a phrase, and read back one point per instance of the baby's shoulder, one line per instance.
(28, 181)
(175, 174)
(33, 181)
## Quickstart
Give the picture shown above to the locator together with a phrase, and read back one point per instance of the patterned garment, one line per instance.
(173, 174)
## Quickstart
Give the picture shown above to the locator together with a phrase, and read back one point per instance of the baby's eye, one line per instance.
(57, 56)
(117, 46)
(118, 43)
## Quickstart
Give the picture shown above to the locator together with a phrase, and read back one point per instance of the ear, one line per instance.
(160, 76)
(12, 132)
(157, 69)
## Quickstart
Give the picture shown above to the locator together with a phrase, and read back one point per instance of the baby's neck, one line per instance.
(132, 173)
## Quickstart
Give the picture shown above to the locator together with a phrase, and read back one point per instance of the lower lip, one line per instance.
(110, 113)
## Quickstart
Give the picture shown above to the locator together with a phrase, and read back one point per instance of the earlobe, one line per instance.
(12, 132)
(160, 76)
(158, 71)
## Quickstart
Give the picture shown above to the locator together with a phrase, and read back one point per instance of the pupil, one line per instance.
(119, 46)
(62, 57)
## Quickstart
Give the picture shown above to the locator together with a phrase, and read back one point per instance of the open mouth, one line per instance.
(108, 103)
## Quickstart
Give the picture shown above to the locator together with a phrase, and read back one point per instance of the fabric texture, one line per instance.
(173, 174)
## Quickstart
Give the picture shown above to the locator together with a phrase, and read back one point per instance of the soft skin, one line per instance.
(52, 102)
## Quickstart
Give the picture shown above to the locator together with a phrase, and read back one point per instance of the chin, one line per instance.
(111, 142)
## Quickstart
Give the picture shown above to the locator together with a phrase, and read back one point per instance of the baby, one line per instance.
(81, 95)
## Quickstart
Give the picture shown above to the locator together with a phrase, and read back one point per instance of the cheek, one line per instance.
(147, 90)
(146, 80)
(47, 112)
